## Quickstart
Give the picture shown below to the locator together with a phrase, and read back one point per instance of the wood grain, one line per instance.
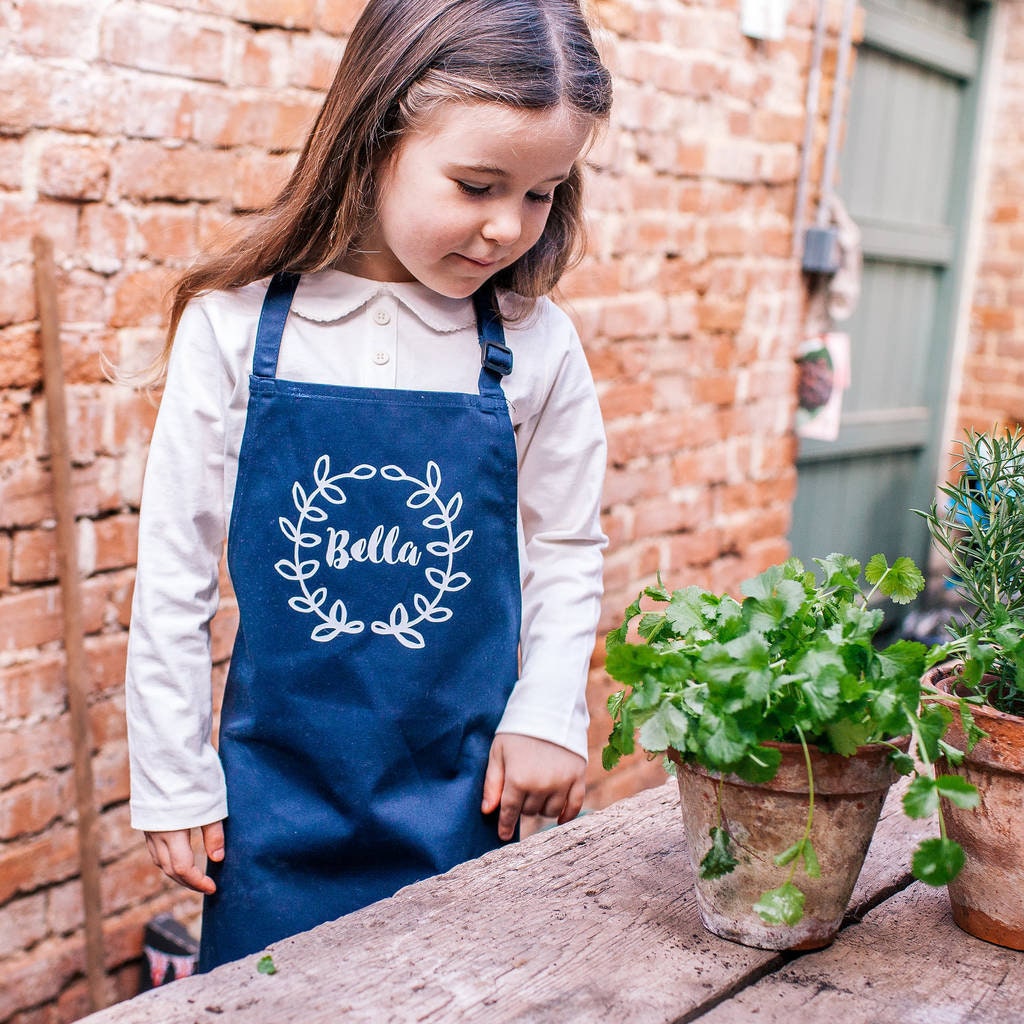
(907, 962)
(591, 922)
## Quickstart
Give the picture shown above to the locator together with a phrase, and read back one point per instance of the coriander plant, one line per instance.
(796, 661)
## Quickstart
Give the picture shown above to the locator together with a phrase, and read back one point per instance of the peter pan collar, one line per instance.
(331, 295)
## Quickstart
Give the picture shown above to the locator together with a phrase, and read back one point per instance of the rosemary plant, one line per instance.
(978, 528)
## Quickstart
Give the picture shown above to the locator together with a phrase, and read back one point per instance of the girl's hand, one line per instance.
(172, 854)
(531, 776)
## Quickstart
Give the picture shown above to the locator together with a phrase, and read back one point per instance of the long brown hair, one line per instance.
(402, 59)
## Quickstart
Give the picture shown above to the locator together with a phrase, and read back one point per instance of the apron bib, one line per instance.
(373, 551)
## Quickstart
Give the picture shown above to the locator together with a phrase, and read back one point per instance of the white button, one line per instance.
(380, 358)
(383, 317)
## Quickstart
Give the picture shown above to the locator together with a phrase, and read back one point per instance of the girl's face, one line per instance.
(466, 194)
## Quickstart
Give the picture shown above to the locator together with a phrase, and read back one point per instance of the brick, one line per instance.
(12, 155)
(339, 17)
(105, 657)
(30, 618)
(22, 924)
(152, 40)
(162, 108)
(116, 541)
(5, 576)
(258, 57)
(129, 879)
(633, 316)
(150, 170)
(87, 357)
(104, 238)
(34, 556)
(81, 296)
(55, 28)
(108, 727)
(17, 297)
(314, 60)
(27, 808)
(20, 220)
(38, 976)
(667, 515)
(700, 547)
(258, 178)
(74, 172)
(292, 14)
(32, 689)
(627, 399)
(140, 297)
(110, 773)
(28, 864)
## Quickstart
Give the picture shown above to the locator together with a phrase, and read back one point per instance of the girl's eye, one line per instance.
(473, 190)
(538, 197)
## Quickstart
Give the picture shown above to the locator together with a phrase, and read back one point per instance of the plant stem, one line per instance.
(810, 802)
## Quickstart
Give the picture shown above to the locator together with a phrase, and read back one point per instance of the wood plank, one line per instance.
(591, 922)
(928, 244)
(916, 40)
(907, 962)
(872, 432)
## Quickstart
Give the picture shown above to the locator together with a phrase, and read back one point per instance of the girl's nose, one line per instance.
(503, 226)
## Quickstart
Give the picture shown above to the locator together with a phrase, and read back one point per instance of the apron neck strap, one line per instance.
(495, 355)
(276, 304)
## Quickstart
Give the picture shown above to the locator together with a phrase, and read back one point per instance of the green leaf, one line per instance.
(822, 694)
(933, 724)
(921, 798)
(846, 736)
(687, 609)
(723, 743)
(759, 765)
(841, 571)
(904, 658)
(763, 611)
(668, 727)
(266, 965)
(609, 758)
(811, 865)
(789, 854)
(903, 763)
(957, 790)
(937, 861)
(650, 624)
(718, 861)
(784, 905)
(901, 582)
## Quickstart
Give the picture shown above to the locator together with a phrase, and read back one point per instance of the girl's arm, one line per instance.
(540, 751)
(530, 776)
(176, 778)
(172, 853)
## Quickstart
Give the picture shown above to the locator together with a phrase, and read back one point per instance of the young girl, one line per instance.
(401, 443)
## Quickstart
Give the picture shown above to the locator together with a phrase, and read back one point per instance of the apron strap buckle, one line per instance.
(496, 356)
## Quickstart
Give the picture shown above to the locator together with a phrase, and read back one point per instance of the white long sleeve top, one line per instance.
(350, 331)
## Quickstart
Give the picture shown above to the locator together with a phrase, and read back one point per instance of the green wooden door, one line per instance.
(903, 175)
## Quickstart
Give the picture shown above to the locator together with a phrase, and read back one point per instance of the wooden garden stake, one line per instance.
(71, 600)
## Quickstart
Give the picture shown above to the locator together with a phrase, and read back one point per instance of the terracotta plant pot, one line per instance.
(764, 819)
(987, 897)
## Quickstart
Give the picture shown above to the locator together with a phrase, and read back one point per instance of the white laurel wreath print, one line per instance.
(441, 580)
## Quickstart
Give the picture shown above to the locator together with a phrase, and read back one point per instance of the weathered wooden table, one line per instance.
(596, 922)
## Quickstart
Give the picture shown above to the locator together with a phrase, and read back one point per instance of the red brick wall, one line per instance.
(130, 132)
(992, 385)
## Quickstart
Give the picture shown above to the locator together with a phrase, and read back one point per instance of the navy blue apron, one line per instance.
(373, 551)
